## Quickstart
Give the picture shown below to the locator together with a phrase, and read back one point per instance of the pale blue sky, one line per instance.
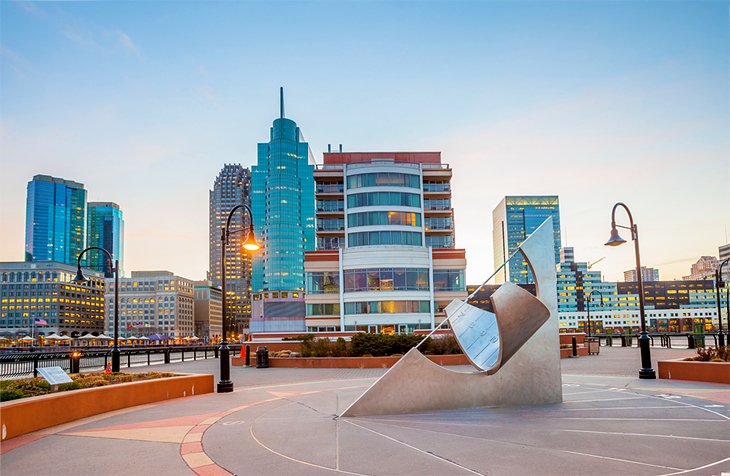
(599, 102)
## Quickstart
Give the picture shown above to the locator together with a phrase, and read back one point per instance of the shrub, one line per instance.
(6, 395)
(442, 345)
(382, 344)
(31, 387)
(712, 354)
(299, 337)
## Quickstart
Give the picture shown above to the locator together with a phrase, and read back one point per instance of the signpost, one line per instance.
(54, 376)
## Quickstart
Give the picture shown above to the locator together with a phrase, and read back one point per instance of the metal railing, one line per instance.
(26, 364)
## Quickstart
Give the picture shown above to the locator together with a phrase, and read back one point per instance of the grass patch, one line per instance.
(31, 387)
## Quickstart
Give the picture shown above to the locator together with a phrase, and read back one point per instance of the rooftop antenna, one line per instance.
(281, 102)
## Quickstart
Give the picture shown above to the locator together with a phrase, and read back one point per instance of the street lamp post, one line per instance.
(225, 384)
(719, 284)
(80, 278)
(589, 307)
(646, 371)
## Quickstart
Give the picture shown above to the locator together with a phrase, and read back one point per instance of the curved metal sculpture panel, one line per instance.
(488, 339)
(515, 350)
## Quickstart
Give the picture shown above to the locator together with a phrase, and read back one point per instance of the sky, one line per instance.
(597, 102)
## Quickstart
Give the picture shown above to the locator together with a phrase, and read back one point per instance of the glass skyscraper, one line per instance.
(55, 220)
(232, 187)
(512, 222)
(105, 229)
(282, 200)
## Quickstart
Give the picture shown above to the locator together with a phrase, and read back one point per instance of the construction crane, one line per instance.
(590, 265)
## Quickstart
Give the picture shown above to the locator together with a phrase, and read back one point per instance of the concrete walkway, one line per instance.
(283, 422)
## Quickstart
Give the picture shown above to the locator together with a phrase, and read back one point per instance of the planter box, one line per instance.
(349, 362)
(18, 417)
(567, 353)
(714, 372)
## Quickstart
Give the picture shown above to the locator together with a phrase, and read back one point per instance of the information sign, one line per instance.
(54, 375)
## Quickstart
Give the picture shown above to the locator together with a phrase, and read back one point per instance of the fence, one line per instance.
(25, 364)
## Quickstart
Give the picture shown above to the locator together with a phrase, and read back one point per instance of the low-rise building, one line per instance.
(39, 298)
(152, 302)
(208, 311)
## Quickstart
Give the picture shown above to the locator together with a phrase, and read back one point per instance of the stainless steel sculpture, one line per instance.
(515, 350)
(489, 340)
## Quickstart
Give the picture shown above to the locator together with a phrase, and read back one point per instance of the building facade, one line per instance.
(647, 274)
(282, 200)
(670, 306)
(386, 260)
(208, 311)
(152, 302)
(105, 229)
(704, 267)
(38, 292)
(55, 220)
(231, 188)
(512, 222)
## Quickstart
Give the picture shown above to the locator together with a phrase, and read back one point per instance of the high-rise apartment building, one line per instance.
(647, 274)
(512, 222)
(282, 200)
(105, 229)
(152, 302)
(385, 260)
(40, 298)
(231, 188)
(55, 220)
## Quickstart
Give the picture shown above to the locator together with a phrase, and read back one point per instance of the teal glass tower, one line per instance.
(105, 229)
(282, 201)
(55, 220)
(514, 219)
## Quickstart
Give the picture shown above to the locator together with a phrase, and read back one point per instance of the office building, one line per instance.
(670, 306)
(647, 274)
(208, 311)
(105, 229)
(231, 188)
(152, 302)
(724, 252)
(386, 259)
(704, 267)
(282, 199)
(38, 292)
(55, 220)
(512, 222)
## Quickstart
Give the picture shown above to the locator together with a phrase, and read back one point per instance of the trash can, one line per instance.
(690, 341)
(623, 341)
(700, 340)
(262, 358)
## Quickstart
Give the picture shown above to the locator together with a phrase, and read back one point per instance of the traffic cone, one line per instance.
(108, 368)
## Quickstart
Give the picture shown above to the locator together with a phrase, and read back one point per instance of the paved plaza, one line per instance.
(283, 422)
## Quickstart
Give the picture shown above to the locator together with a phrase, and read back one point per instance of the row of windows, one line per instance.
(384, 218)
(323, 282)
(438, 223)
(384, 198)
(449, 280)
(384, 179)
(387, 307)
(440, 241)
(437, 204)
(386, 279)
(323, 309)
(384, 238)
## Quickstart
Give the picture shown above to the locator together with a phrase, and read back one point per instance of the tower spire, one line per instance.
(281, 102)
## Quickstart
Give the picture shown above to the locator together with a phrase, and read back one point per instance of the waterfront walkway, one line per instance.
(282, 422)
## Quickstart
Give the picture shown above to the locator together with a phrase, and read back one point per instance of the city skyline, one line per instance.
(594, 103)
